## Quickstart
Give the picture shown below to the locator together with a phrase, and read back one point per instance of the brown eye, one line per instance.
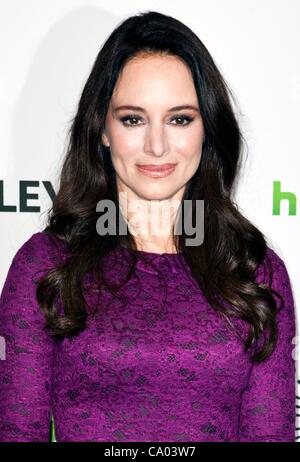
(188, 119)
(130, 118)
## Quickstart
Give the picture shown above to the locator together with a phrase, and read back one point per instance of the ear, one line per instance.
(104, 139)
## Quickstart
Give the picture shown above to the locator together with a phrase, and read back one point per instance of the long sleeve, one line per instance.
(25, 370)
(268, 410)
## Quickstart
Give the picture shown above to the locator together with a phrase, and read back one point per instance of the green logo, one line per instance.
(279, 196)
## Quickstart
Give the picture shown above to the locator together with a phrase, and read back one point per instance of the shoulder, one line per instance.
(43, 245)
(274, 257)
(38, 255)
(273, 273)
(273, 269)
(41, 251)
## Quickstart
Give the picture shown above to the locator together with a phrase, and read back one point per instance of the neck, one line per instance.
(150, 222)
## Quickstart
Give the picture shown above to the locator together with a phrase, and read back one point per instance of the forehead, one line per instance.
(155, 79)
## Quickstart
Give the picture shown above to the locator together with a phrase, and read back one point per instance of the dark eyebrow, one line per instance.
(172, 109)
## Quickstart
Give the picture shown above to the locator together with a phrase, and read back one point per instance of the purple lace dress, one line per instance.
(156, 363)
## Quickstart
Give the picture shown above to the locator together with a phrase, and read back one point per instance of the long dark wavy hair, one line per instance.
(225, 264)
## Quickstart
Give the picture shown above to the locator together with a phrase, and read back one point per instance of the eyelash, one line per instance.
(131, 117)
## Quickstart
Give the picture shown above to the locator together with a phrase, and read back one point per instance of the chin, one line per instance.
(156, 196)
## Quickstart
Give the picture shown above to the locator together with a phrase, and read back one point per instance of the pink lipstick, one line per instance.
(157, 170)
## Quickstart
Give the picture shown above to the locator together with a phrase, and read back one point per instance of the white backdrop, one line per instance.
(47, 49)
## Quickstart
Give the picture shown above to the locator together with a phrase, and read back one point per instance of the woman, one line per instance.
(139, 336)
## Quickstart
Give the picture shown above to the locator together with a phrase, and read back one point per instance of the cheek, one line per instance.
(189, 157)
(125, 147)
(190, 153)
(190, 140)
(123, 157)
(191, 164)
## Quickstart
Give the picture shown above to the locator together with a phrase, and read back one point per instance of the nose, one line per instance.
(156, 142)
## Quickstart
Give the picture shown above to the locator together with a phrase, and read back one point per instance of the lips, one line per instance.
(156, 167)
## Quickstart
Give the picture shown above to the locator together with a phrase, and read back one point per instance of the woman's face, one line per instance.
(155, 133)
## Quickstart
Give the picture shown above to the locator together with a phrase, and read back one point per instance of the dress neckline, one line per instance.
(174, 260)
(147, 253)
(157, 254)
